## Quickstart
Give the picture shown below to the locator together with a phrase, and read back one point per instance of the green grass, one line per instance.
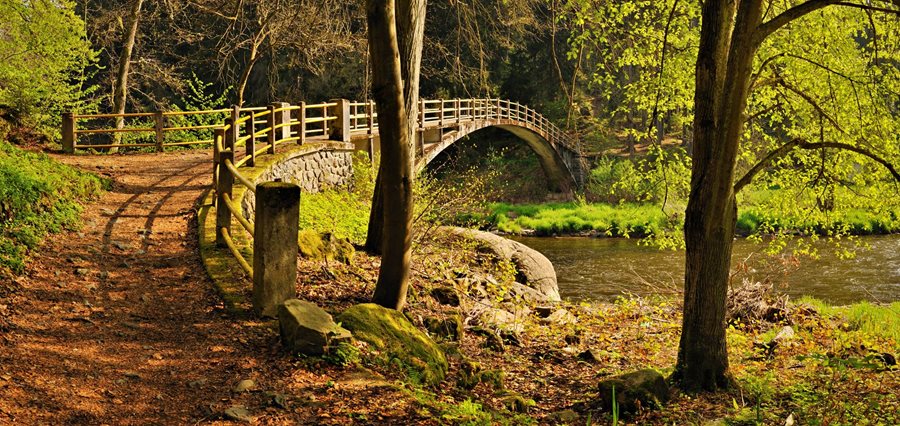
(38, 196)
(568, 218)
(877, 320)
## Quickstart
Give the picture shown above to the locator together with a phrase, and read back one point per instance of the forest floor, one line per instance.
(118, 324)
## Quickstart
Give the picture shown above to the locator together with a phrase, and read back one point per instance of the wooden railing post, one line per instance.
(456, 106)
(497, 110)
(300, 127)
(282, 119)
(228, 139)
(218, 136)
(68, 132)
(340, 127)
(251, 140)
(224, 186)
(158, 121)
(275, 246)
(235, 127)
(270, 124)
(441, 120)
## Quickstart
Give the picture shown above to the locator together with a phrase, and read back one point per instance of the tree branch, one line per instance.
(785, 149)
(789, 16)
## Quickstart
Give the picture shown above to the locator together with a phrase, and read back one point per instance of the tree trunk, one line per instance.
(121, 90)
(410, 33)
(722, 82)
(396, 156)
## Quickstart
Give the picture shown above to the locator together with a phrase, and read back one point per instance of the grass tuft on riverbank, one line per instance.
(38, 196)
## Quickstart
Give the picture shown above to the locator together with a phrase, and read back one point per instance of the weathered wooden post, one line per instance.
(250, 146)
(441, 120)
(456, 107)
(340, 127)
(282, 119)
(235, 127)
(300, 127)
(224, 185)
(68, 132)
(275, 245)
(270, 124)
(158, 121)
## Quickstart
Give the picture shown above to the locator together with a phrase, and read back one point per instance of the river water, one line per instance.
(603, 268)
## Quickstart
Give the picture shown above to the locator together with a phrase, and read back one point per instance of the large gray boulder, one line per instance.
(534, 269)
(308, 329)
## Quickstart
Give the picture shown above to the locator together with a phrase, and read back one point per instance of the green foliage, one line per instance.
(662, 176)
(622, 220)
(343, 354)
(875, 320)
(342, 213)
(43, 55)
(38, 196)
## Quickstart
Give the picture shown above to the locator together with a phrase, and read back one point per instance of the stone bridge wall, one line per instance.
(312, 170)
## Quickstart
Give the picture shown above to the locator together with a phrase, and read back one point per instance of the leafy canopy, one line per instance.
(43, 55)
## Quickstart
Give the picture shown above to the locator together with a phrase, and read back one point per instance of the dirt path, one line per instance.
(116, 323)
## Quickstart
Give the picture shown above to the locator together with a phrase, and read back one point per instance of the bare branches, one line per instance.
(800, 143)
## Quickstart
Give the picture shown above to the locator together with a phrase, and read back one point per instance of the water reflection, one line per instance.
(603, 268)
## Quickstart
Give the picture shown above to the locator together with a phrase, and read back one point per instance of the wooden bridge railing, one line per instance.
(306, 122)
(260, 130)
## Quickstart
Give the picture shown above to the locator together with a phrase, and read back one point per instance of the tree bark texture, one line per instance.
(396, 156)
(410, 23)
(121, 90)
(722, 81)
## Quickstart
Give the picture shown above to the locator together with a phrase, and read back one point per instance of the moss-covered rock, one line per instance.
(311, 244)
(338, 249)
(643, 388)
(398, 340)
(450, 328)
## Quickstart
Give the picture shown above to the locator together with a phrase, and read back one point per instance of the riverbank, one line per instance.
(643, 220)
(542, 365)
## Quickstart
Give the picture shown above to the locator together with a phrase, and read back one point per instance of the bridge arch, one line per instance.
(559, 175)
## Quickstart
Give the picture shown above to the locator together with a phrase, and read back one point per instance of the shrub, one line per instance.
(37, 196)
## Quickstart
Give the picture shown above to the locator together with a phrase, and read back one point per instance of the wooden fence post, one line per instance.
(270, 124)
(282, 120)
(158, 121)
(224, 186)
(218, 136)
(275, 245)
(301, 124)
(340, 127)
(68, 132)
(251, 140)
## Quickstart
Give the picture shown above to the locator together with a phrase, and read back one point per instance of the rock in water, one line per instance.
(395, 337)
(307, 328)
(643, 388)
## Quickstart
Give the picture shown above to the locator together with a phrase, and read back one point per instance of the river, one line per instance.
(603, 268)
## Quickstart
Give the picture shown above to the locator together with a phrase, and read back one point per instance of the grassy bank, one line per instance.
(38, 196)
(637, 219)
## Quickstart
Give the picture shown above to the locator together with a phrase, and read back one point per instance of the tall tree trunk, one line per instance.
(121, 90)
(722, 82)
(396, 156)
(410, 17)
